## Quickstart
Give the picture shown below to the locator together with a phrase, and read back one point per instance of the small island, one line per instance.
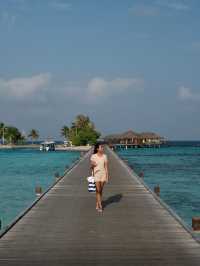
(80, 136)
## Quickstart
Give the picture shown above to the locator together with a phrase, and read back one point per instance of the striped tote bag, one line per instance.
(91, 184)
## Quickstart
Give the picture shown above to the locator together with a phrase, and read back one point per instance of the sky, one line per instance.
(126, 64)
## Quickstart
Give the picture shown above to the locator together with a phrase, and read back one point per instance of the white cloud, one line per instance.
(42, 88)
(60, 5)
(158, 7)
(144, 10)
(101, 87)
(98, 89)
(173, 4)
(186, 94)
(24, 87)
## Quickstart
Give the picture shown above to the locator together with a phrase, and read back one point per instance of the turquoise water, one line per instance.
(23, 169)
(176, 170)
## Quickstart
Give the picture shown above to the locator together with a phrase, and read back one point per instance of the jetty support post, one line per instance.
(141, 174)
(157, 190)
(38, 190)
(196, 223)
(57, 175)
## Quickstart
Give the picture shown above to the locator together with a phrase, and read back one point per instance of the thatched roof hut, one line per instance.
(149, 135)
(130, 134)
(132, 137)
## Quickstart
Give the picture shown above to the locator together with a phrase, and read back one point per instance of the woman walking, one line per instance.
(99, 164)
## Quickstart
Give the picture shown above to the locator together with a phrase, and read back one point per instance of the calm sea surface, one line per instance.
(21, 170)
(176, 168)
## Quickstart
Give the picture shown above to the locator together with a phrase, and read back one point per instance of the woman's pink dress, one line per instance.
(99, 169)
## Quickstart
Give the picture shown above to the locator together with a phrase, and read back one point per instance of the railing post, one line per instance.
(157, 190)
(38, 190)
(57, 176)
(141, 174)
(196, 223)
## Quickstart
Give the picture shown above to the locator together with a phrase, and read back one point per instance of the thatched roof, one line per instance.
(112, 136)
(150, 135)
(130, 134)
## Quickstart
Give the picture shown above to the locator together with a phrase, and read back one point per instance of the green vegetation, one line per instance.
(81, 132)
(10, 135)
(33, 135)
(65, 132)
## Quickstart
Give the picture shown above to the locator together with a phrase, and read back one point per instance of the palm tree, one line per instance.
(3, 128)
(12, 134)
(2, 125)
(65, 132)
(33, 134)
(82, 121)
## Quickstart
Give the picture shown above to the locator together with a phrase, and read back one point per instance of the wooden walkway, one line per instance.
(64, 228)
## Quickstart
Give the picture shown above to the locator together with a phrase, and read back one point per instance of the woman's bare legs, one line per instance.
(99, 190)
(98, 195)
(102, 184)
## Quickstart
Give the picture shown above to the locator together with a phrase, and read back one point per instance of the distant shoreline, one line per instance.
(58, 147)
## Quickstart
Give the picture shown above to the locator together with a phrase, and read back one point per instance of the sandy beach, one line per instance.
(37, 146)
(73, 148)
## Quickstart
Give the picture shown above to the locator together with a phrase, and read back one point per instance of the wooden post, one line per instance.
(57, 176)
(38, 190)
(196, 223)
(141, 174)
(157, 190)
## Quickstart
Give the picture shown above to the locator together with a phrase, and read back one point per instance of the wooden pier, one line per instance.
(64, 228)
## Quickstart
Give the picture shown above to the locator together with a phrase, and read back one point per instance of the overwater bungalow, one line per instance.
(151, 138)
(129, 138)
(132, 139)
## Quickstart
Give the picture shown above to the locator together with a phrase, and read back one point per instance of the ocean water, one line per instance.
(176, 168)
(21, 170)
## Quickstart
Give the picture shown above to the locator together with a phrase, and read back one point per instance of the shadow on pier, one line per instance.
(112, 199)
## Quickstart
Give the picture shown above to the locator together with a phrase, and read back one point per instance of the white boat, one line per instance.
(47, 146)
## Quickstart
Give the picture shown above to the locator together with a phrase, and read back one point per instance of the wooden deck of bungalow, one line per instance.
(133, 146)
(64, 228)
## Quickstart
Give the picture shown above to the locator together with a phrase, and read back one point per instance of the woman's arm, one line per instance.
(93, 163)
(106, 167)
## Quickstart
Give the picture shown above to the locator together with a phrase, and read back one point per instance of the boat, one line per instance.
(47, 146)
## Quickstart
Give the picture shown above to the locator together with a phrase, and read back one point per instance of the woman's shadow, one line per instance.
(112, 199)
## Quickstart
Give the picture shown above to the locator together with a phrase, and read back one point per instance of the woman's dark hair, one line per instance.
(96, 146)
